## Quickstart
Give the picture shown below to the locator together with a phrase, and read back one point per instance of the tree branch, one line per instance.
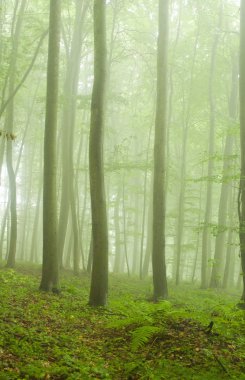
(5, 104)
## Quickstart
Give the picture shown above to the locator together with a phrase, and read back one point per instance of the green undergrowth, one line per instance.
(46, 336)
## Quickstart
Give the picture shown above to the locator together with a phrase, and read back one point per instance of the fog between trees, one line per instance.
(120, 148)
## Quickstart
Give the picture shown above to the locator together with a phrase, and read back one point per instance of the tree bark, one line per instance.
(68, 124)
(241, 205)
(99, 280)
(9, 128)
(217, 269)
(50, 268)
(118, 253)
(158, 246)
(209, 194)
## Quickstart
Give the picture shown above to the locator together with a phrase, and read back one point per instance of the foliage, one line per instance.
(143, 335)
(47, 336)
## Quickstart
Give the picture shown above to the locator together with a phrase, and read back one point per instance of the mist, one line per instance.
(122, 192)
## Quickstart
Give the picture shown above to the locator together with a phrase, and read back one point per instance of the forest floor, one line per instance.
(47, 336)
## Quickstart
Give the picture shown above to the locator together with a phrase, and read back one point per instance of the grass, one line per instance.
(45, 336)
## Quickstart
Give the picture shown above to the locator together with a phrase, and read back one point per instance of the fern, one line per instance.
(130, 321)
(142, 335)
(145, 320)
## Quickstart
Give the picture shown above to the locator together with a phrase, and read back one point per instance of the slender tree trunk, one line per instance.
(135, 263)
(158, 246)
(76, 250)
(208, 208)
(68, 125)
(198, 232)
(3, 228)
(118, 253)
(90, 255)
(99, 280)
(241, 205)
(125, 227)
(217, 269)
(68, 245)
(144, 206)
(181, 217)
(9, 129)
(2, 150)
(33, 249)
(148, 249)
(181, 203)
(13, 210)
(77, 186)
(229, 267)
(50, 268)
(29, 163)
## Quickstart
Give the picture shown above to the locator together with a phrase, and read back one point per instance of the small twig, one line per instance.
(208, 329)
(221, 364)
(151, 345)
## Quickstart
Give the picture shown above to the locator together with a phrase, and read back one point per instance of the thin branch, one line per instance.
(220, 363)
(25, 75)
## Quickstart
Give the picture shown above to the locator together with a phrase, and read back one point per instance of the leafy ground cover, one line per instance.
(46, 336)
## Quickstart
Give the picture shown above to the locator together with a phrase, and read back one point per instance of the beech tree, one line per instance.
(158, 245)
(219, 262)
(9, 126)
(68, 125)
(99, 280)
(50, 268)
(241, 205)
(211, 147)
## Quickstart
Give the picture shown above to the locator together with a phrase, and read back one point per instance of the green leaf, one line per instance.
(142, 335)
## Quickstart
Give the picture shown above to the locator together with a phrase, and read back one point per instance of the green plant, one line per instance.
(143, 335)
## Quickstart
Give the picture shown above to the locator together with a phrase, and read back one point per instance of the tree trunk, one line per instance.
(9, 129)
(241, 205)
(208, 208)
(181, 200)
(158, 246)
(148, 248)
(141, 264)
(217, 269)
(99, 280)
(68, 124)
(118, 253)
(135, 262)
(33, 251)
(125, 227)
(50, 268)
(3, 228)
(229, 259)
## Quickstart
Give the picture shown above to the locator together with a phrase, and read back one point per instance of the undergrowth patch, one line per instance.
(46, 336)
